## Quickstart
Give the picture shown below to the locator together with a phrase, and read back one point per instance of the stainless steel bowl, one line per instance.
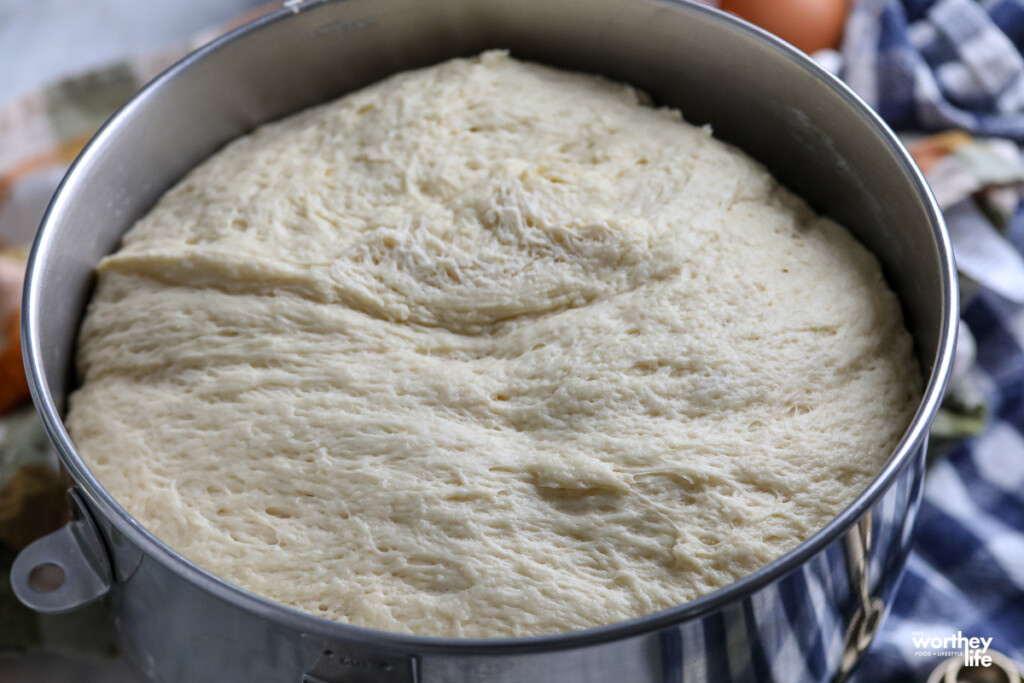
(806, 616)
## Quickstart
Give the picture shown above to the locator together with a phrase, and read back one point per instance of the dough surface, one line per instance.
(487, 349)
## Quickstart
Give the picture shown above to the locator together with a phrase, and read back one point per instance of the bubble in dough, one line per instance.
(487, 349)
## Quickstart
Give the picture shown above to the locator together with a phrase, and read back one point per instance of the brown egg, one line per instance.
(808, 24)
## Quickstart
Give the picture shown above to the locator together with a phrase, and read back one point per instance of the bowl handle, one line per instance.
(66, 569)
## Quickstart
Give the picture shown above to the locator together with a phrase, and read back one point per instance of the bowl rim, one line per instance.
(914, 438)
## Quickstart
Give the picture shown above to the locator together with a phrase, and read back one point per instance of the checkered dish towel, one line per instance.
(927, 66)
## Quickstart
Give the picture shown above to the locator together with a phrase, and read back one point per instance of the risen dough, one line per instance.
(487, 349)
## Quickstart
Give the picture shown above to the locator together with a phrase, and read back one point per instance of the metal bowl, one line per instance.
(806, 616)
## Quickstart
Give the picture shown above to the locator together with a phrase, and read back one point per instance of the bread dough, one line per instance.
(487, 349)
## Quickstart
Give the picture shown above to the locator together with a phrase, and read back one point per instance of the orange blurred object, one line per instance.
(930, 150)
(13, 385)
(810, 25)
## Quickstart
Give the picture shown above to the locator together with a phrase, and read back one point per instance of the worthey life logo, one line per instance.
(974, 650)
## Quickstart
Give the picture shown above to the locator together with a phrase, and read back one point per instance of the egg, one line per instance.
(810, 25)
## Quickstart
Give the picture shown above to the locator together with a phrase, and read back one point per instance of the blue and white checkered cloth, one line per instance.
(936, 65)
(931, 65)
